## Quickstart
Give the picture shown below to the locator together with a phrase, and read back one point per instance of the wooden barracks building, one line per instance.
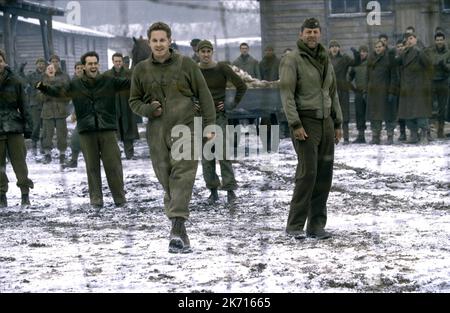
(346, 21)
(27, 32)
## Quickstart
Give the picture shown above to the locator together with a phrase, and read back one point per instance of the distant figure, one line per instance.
(439, 54)
(15, 124)
(54, 114)
(127, 130)
(411, 30)
(75, 138)
(246, 62)
(415, 90)
(194, 43)
(36, 103)
(341, 64)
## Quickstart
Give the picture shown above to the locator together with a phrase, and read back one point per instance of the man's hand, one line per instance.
(157, 108)
(220, 106)
(210, 136)
(300, 134)
(337, 135)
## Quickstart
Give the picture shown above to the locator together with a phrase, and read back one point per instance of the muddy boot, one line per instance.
(47, 158)
(3, 201)
(213, 197)
(375, 138)
(390, 138)
(73, 163)
(440, 130)
(429, 137)
(402, 137)
(231, 196)
(25, 199)
(423, 136)
(361, 138)
(62, 158)
(34, 148)
(345, 133)
(179, 240)
(413, 137)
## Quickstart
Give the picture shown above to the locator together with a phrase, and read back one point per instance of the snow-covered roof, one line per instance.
(67, 28)
(224, 41)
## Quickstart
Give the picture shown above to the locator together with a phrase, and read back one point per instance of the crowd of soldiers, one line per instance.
(391, 85)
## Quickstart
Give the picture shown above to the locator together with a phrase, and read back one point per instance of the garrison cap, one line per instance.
(40, 60)
(311, 23)
(205, 44)
(195, 42)
(334, 43)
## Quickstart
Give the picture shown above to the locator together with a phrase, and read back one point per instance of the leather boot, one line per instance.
(47, 158)
(375, 138)
(440, 131)
(25, 199)
(361, 137)
(345, 133)
(213, 197)
(62, 158)
(423, 136)
(179, 240)
(413, 137)
(231, 196)
(390, 137)
(3, 201)
(73, 163)
(34, 148)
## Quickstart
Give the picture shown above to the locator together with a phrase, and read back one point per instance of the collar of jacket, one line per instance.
(7, 72)
(170, 60)
(319, 54)
(91, 81)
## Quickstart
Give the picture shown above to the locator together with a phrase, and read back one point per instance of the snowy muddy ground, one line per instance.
(388, 211)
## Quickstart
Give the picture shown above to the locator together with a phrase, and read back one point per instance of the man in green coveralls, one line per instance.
(162, 89)
(311, 104)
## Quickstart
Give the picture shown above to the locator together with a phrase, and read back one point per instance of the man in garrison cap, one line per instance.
(310, 101)
(194, 43)
(35, 103)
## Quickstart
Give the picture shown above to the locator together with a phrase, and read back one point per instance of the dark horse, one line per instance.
(140, 51)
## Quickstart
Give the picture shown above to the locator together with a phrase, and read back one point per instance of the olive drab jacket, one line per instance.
(53, 107)
(440, 58)
(14, 112)
(308, 87)
(93, 99)
(174, 84)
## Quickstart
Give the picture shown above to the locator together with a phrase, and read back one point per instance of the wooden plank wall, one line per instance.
(281, 21)
(29, 46)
